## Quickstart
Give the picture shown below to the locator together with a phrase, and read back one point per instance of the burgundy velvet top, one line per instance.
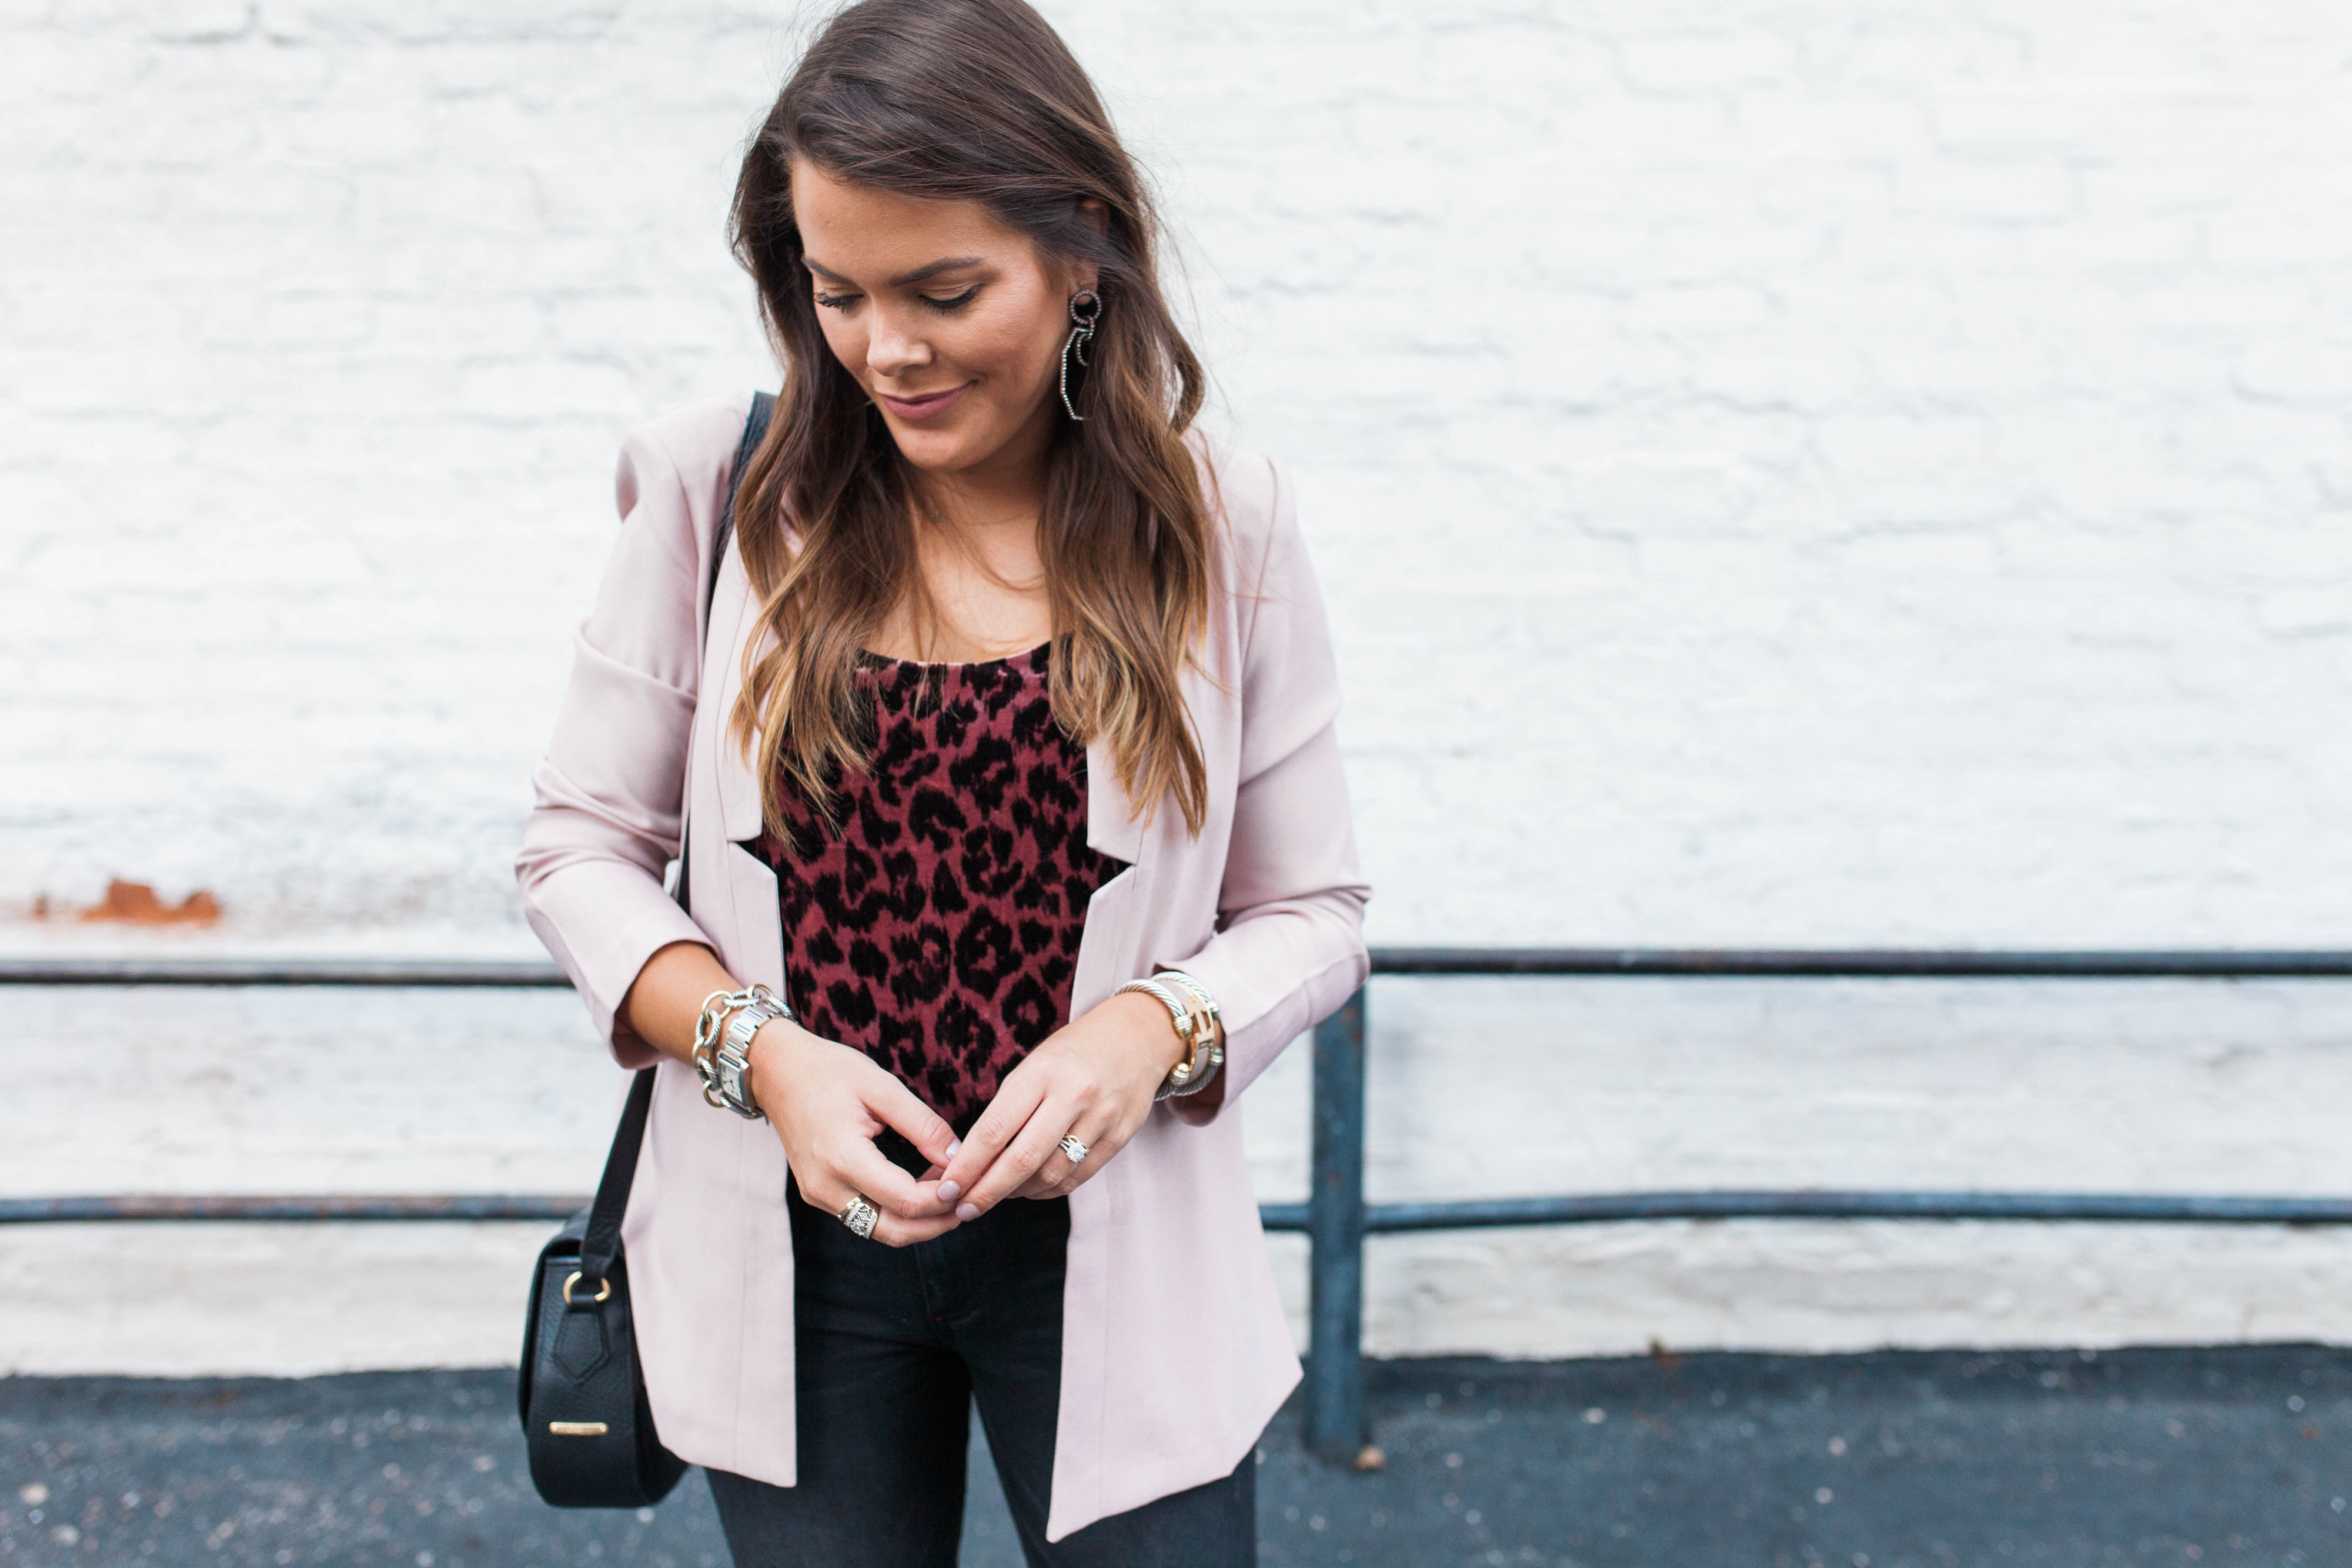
(938, 932)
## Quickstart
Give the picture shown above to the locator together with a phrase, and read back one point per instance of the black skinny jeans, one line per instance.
(892, 1344)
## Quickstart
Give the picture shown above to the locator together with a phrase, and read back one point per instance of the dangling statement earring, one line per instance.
(1085, 310)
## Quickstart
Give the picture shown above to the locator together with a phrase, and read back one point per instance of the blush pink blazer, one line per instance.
(1175, 1351)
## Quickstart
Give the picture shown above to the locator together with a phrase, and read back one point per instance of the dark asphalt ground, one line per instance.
(2221, 1455)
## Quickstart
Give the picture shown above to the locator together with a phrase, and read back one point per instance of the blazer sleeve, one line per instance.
(608, 808)
(1289, 947)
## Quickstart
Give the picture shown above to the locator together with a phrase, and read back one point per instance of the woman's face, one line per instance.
(951, 321)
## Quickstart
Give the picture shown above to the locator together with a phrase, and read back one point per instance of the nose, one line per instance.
(896, 345)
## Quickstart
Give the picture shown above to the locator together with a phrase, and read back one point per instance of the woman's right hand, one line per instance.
(827, 1103)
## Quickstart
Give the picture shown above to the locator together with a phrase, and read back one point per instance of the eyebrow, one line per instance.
(922, 273)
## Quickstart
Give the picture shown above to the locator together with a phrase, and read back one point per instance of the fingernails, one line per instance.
(967, 1211)
(950, 1192)
(954, 1146)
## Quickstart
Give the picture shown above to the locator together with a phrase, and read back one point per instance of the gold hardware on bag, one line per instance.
(604, 1288)
(578, 1429)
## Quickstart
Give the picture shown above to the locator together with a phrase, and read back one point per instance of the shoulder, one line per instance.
(1290, 683)
(692, 446)
(1250, 506)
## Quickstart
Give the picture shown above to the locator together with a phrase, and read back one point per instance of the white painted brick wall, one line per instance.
(1815, 474)
(1479, 1088)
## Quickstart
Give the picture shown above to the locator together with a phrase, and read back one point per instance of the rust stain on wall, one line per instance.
(135, 903)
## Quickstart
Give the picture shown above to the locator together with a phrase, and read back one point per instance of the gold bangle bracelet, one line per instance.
(1201, 993)
(1204, 1052)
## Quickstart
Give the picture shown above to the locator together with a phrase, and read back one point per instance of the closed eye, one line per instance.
(835, 301)
(953, 302)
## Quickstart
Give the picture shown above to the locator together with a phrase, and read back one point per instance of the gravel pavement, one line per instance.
(2215, 1455)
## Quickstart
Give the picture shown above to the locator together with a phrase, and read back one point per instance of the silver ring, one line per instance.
(1075, 1150)
(859, 1214)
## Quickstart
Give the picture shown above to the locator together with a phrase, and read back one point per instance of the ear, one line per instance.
(1077, 272)
(1096, 217)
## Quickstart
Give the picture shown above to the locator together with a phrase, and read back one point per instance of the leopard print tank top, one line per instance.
(937, 931)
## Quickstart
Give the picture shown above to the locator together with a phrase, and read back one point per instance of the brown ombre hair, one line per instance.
(973, 101)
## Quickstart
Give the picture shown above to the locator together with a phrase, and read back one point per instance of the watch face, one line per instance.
(734, 1082)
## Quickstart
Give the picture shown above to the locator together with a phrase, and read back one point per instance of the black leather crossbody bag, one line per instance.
(582, 1393)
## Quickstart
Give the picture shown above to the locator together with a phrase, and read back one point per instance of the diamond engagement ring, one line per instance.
(859, 1215)
(1074, 1149)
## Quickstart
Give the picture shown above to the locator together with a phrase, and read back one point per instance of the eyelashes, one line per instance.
(944, 306)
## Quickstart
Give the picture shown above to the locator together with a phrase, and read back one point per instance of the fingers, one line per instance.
(1016, 1099)
(856, 1165)
(1060, 1175)
(1027, 1158)
(892, 1231)
(829, 1104)
(911, 1208)
(896, 1106)
(1054, 1176)
(907, 1211)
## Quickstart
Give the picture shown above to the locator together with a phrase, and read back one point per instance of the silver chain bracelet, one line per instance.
(722, 1045)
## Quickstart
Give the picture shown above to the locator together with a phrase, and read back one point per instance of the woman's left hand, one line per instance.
(1094, 1079)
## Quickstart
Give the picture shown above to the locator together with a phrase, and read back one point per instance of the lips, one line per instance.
(927, 406)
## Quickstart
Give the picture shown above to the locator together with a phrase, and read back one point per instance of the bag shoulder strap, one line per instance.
(601, 1243)
(755, 431)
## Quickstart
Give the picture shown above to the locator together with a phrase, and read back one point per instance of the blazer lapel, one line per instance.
(732, 615)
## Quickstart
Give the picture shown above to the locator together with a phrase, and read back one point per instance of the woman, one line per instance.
(1012, 692)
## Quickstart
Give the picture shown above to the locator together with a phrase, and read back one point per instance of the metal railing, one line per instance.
(1336, 1216)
